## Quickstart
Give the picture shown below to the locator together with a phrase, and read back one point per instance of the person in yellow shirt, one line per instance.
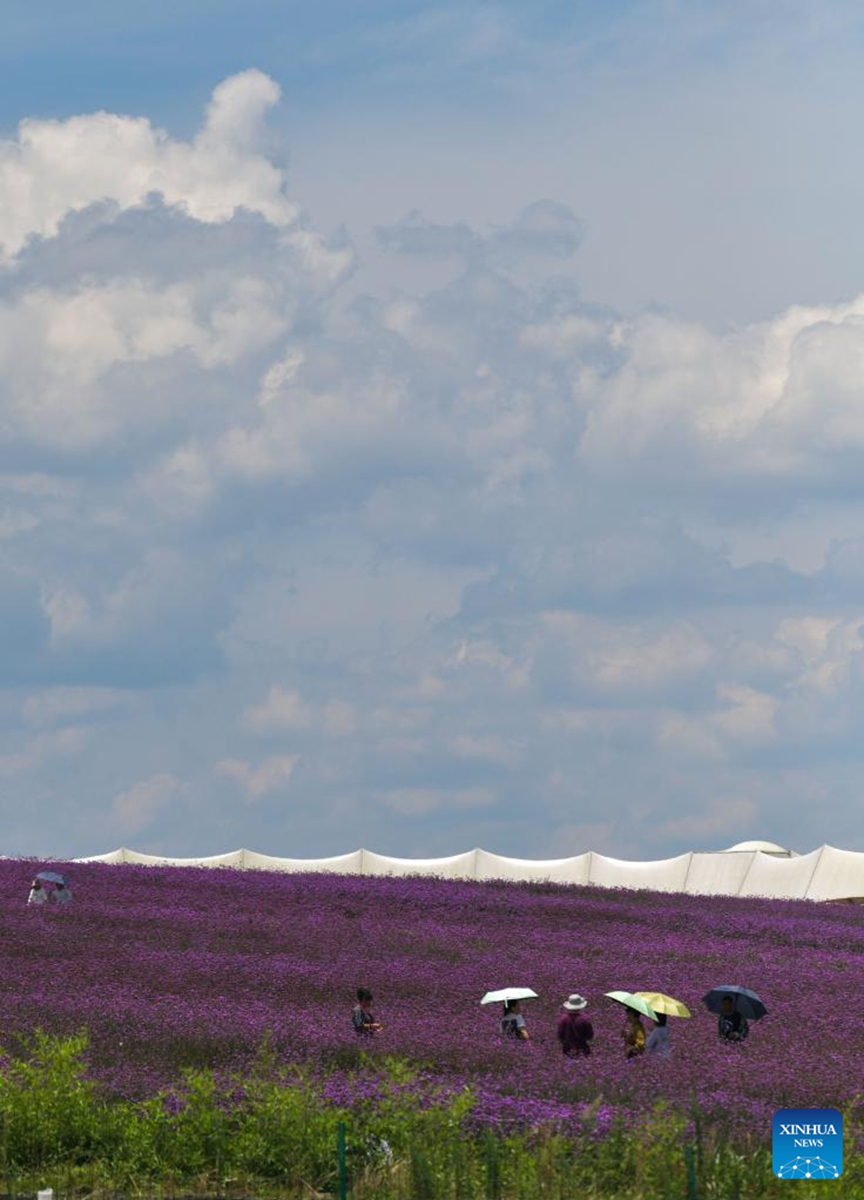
(633, 1034)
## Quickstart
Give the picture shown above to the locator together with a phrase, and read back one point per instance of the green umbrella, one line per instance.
(630, 1000)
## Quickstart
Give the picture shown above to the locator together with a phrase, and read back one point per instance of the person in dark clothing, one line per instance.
(364, 1023)
(575, 1031)
(732, 1026)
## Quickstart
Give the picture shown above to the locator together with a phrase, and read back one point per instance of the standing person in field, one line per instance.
(362, 1019)
(513, 1023)
(38, 895)
(659, 1042)
(575, 1031)
(633, 1034)
(732, 1026)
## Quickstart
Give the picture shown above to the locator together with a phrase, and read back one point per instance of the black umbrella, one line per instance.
(744, 1001)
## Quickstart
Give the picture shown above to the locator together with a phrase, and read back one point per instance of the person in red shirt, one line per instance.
(575, 1031)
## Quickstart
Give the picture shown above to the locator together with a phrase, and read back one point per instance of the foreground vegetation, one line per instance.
(275, 1132)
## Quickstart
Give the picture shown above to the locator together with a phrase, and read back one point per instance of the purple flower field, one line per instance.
(174, 967)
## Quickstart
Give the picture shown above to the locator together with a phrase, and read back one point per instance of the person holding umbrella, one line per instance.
(735, 1007)
(633, 1032)
(49, 887)
(732, 1026)
(512, 1022)
(659, 1039)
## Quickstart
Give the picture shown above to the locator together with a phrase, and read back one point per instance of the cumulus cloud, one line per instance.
(43, 749)
(545, 228)
(56, 167)
(514, 554)
(271, 774)
(60, 353)
(743, 717)
(775, 401)
(136, 809)
(284, 709)
(281, 710)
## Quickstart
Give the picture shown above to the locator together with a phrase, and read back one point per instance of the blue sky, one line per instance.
(426, 426)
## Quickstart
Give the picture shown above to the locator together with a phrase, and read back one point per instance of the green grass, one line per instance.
(271, 1134)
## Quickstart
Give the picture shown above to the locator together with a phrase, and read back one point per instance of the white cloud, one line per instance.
(565, 336)
(286, 709)
(419, 801)
(777, 400)
(271, 774)
(15, 521)
(278, 375)
(627, 659)
(818, 639)
(58, 347)
(744, 719)
(281, 710)
(43, 749)
(57, 167)
(481, 529)
(141, 805)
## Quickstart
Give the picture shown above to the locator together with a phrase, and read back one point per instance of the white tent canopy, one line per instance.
(748, 869)
(663, 875)
(550, 870)
(717, 874)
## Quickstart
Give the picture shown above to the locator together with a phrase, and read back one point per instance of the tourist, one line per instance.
(633, 1034)
(364, 1023)
(575, 1031)
(732, 1026)
(659, 1041)
(513, 1023)
(38, 894)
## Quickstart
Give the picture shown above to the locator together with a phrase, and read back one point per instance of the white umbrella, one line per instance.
(509, 994)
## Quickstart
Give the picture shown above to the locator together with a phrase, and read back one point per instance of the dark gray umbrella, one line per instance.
(744, 1001)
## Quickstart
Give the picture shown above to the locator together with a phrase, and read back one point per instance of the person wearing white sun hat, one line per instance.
(575, 1031)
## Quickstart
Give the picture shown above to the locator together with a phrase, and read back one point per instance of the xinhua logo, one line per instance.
(808, 1143)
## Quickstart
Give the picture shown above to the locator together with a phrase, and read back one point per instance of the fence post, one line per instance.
(691, 1173)
(343, 1173)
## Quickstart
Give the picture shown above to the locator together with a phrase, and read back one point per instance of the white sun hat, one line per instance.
(575, 1002)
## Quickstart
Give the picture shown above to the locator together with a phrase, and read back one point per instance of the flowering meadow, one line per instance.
(175, 968)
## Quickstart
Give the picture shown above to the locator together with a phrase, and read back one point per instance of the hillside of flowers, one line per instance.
(171, 968)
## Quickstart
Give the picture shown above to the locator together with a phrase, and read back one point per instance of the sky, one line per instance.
(431, 426)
